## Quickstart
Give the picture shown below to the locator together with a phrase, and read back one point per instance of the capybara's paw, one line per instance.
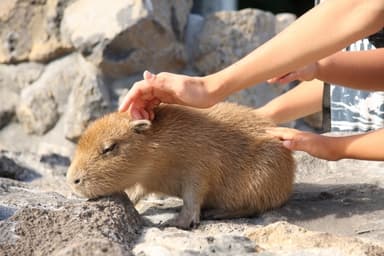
(182, 223)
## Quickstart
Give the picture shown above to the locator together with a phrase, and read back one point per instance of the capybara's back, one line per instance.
(254, 172)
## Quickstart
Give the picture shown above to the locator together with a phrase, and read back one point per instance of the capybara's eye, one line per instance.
(109, 148)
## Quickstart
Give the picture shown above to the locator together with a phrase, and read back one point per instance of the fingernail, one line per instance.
(147, 75)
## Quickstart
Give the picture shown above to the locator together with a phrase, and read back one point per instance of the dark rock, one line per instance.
(55, 160)
(10, 169)
(59, 226)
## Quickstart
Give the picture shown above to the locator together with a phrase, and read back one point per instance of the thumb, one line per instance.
(296, 145)
(289, 144)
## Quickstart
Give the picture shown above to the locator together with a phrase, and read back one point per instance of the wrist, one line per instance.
(215, 88)
(323, 67)
(337, 147)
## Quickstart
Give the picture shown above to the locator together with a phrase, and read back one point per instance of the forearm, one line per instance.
(367, 146)
(313, 36)
(302, 100)
(359, 70)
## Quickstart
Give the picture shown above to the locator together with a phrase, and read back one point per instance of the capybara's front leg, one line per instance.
(189, 216)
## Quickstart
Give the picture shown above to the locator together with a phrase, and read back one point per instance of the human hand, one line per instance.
(165, 87)
(306, 73)
(314, 144)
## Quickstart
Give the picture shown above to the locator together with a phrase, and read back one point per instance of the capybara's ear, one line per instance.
(140, 126)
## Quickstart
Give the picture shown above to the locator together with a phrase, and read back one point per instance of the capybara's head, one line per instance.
(110, 156)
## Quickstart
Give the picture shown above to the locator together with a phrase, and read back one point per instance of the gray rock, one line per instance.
(206, 7)
(287, 239)
(51, 225)
(16, 77)
(193, 29)
(38, 112)
(36, 35)
(87, 101)
(47, 99)
(13, 78)
(227, 36)
(43, 101)
(257, 96)
(178, 242)
(8, 100)
(115, 40)
(283, 20)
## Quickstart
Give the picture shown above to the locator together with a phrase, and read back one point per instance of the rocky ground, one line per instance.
(336, 209)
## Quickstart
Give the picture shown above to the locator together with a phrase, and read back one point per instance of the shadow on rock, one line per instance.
(311, 201)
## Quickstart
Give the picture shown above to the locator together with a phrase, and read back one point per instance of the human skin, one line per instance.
(358, 69)
(361, 146)
(302, 100)
(346, 20)
(361, 70)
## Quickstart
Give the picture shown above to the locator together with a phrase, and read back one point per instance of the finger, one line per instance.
(135, 114)
(125, 104)
(131, 96)
(277, 79)
(151, 115)
(274, 80)
(144, 114)
(148, 75)
(288, 78)
(289, 144)
(151, 106)
(281, 133)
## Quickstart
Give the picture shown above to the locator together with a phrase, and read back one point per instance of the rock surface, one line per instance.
(34, 222)
(288, 239)
(336, 209)
(30, 30)
(68, 85)
(225, 37)
(129, 36)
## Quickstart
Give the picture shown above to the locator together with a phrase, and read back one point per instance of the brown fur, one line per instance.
(218, 159)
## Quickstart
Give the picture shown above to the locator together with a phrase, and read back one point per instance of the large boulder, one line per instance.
(13, 78)
(124, 37)
(30, 30)
(35, 223)
(67, 83)
(227, 36)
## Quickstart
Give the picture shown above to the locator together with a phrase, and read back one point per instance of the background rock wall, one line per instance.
(64, 63)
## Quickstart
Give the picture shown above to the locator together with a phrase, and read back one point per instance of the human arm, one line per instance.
(365, 146)
(304, 41)
(320, 32)
(302, 100)
(358, 69)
